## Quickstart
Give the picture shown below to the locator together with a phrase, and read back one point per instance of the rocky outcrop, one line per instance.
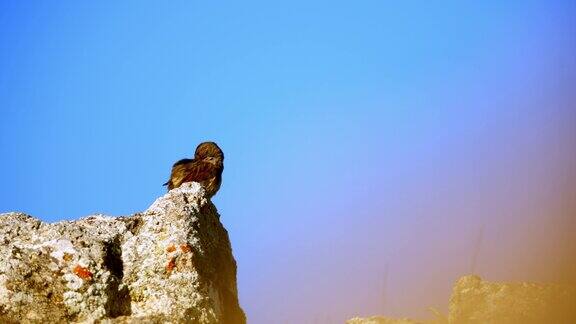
(380, 320)
(477, 301)
(474, 301)
(172, 262)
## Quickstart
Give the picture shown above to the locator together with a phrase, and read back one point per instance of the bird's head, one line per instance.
(209, 150)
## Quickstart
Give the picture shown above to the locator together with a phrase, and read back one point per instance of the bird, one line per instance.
(205, 168)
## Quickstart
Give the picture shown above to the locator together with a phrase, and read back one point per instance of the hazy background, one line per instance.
(372, 149)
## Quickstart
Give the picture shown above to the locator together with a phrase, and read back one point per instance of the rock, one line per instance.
(477, 301)
(171, 263)
(474, 301)
(380, 320)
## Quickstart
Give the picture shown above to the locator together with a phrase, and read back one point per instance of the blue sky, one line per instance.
(357, 136)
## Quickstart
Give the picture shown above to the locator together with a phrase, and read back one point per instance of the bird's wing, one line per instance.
(177, 170)
(183, 161)
(199, 171)
(196, 171)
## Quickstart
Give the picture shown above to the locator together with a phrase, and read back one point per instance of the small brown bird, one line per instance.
(206, 168)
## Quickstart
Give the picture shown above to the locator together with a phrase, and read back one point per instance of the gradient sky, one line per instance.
(372, 149)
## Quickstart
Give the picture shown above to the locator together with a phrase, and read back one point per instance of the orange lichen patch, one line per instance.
(185, 248)
(82, 272)
(171, 265)
(170, 249)
(67, 256)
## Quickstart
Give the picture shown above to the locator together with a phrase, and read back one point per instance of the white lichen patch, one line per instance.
(4, 293)
(60, 248)
(73, 282)
(73, 300)
(175, 198)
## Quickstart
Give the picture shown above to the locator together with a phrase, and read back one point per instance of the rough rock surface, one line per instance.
(477, 301)
(171, 263)
(380, 320)
(474, 301)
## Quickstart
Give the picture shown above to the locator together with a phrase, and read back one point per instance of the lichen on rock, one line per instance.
(172, 262)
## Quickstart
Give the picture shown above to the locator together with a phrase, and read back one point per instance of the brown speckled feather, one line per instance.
(206, 168)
